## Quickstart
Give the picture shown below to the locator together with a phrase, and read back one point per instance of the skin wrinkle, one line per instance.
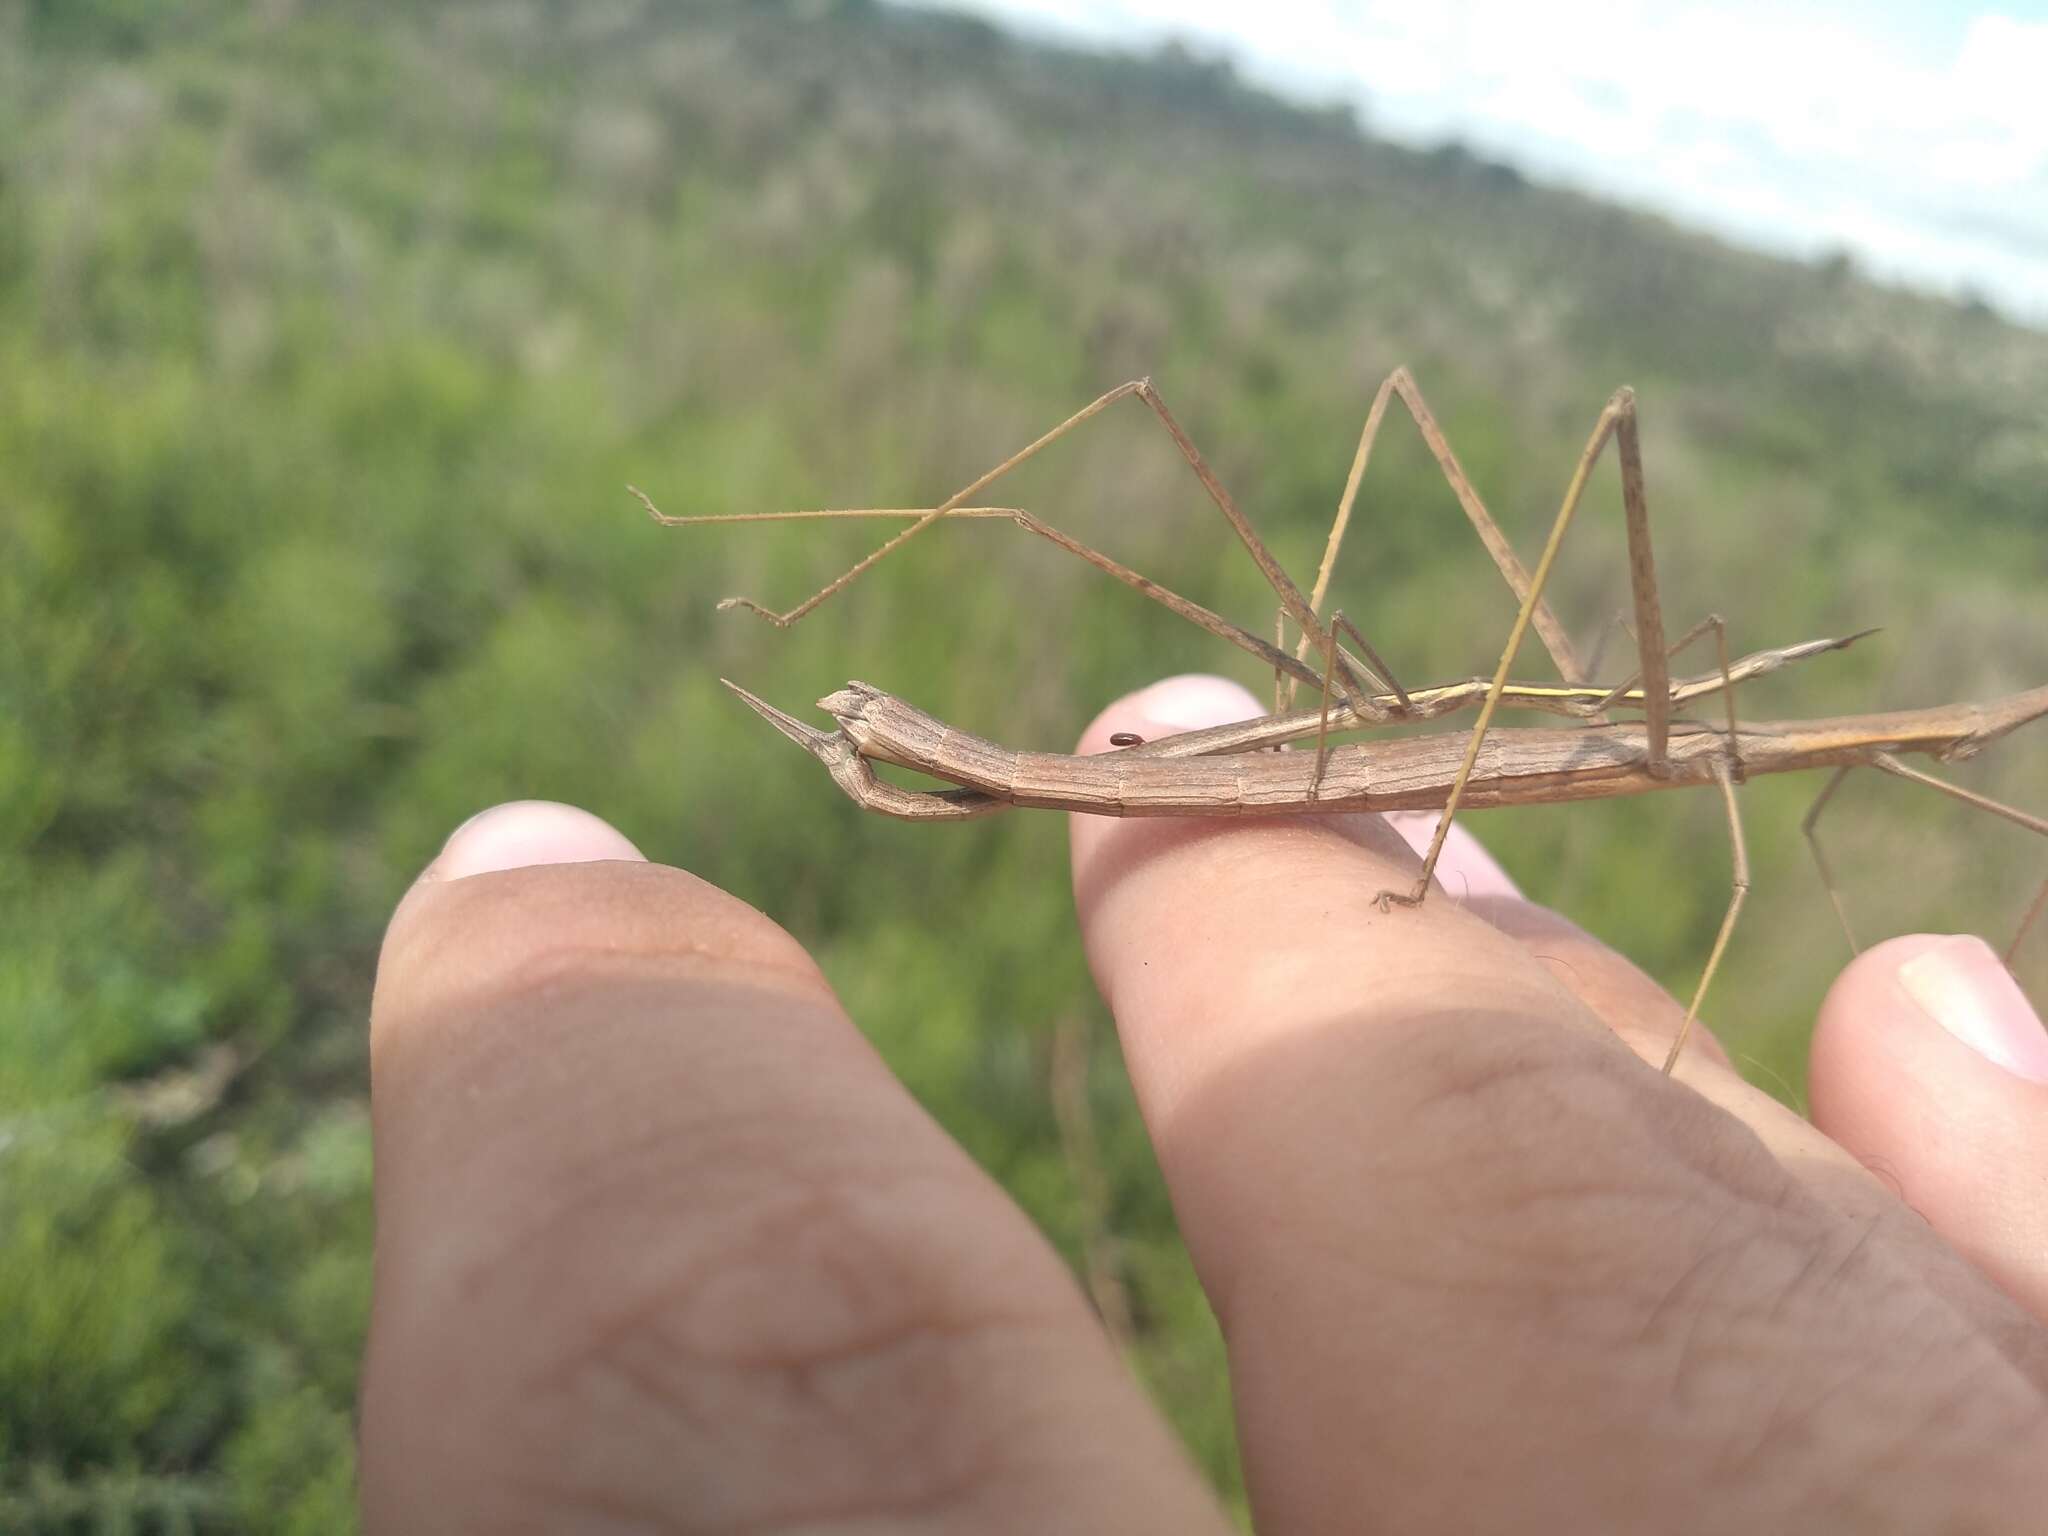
(1567, 1225)
(920, 1308)
(614, 903)
(1790, 1428)
(1612, 1299)
(1597, 1084)
(1937, 1327)
(1820, 1273)
(1710, 1252)
(623, 1348)
(1433, 1050)
(985, 1464)
(1934, 1325)
(701, 1422)
(583, 1191)
(1466, 1079)
(1726, 1153)
(1707, 1331)
(682, 1283)
(558, 1497)
(560, 965)
(1431, 1147)
(817, 1204)
(2013, 1332)
(1934, 1430)
(889, 1517)
(1417, 1160)
(463, 1006)
(829, 1403)
(1507, 1244)
(1766, 1215)
(1971, 1386)
(1748, 1459)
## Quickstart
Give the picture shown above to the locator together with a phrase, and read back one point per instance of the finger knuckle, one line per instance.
(1568, 1158)
(812, 1364)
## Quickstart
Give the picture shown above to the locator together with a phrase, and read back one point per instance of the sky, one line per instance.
(1911, 133)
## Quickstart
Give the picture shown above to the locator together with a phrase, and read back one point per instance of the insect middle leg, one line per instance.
(1724, 775)
(1617, 421)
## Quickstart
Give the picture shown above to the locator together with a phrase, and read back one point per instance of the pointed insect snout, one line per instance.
(826, 746)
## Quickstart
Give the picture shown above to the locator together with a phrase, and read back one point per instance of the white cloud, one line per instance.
(1914, 135)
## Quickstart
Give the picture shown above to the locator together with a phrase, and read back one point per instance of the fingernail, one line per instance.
(1192, 703)
(528, 832)
(1973, 996)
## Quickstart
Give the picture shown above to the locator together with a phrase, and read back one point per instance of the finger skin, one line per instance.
(1479, 1266)
(1961, 1139)
(1609, 985)
(661, 1244)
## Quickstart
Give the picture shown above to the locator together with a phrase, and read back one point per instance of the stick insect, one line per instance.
(1226, 771)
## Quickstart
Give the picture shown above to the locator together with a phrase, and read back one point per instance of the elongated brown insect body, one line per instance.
(1225, 772)
(1515, 767)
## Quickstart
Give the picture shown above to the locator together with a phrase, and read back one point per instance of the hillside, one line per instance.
(329, 338)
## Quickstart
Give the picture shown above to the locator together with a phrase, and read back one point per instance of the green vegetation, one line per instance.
(330, 334)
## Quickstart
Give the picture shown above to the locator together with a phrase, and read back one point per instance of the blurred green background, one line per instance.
(329, 337)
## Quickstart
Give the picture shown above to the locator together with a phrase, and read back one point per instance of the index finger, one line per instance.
(662, 1243)
(1410, 1164)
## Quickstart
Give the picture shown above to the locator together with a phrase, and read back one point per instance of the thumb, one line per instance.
(1930, 1066)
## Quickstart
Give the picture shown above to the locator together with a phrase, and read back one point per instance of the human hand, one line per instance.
(662, 1244)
